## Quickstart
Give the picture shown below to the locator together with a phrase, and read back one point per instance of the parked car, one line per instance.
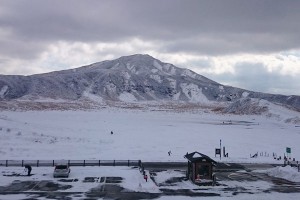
(61, 171)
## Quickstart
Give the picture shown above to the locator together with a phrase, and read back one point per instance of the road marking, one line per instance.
(35, 185)
(232, 174)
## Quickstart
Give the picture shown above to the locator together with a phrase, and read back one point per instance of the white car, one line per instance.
(61, 171)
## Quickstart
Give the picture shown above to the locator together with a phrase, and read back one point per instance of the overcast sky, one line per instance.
(248, 44)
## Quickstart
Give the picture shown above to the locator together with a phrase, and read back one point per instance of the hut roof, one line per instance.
(196, 156)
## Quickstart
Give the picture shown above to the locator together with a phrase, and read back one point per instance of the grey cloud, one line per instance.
(255, 77)
(206, 27)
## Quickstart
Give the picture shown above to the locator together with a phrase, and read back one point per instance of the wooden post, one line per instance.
(53, 163)
(114, 163)
(37, 163)
(6, 163)
(84, 163)
(128, 163)
(22, 163)
(99, 163)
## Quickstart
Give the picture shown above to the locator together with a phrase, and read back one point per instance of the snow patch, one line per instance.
(221, 87)
(172, 71)
(172, 82)
(116, 65)
(3, 91)
(156, 78)
(92, 97)
(130, 67)
(154, 70)
(127, 97)
(110, 87)
(294, 120)
(245, 94)
(126, 75)
(193, 93)
(176, 96)
(157, 65)
(166, 67)
(189, 73)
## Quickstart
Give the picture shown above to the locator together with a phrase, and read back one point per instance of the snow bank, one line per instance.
(287, 172)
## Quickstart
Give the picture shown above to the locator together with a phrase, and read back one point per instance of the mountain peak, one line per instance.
(137, 57)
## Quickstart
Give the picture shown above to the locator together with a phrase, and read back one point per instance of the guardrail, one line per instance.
(52, 163)
(291, 163)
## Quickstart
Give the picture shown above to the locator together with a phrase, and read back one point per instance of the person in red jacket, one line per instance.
(146, 177)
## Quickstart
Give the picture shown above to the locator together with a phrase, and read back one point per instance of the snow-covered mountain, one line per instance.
(129, 79)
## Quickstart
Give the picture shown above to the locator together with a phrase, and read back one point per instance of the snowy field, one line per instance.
(145, 135)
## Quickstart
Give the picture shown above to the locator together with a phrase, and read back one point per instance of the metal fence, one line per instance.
(52, 163)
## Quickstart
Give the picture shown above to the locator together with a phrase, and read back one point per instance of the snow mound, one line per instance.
(287, 172)
(246, 106)
(294, 120)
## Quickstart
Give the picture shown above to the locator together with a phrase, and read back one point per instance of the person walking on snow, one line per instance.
(146, 177)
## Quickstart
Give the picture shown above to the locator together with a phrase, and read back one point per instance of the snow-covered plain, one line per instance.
(143, 134)
(146, 135)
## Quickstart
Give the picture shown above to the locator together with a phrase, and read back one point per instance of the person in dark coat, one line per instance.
(28, 167)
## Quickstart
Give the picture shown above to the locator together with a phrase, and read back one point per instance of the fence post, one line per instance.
(22, 163)
(99, 163)
(53, 163)
(84, 163)
(6, 163)
(37, 163)
(114, 163)
(68, 162)
(128, 163)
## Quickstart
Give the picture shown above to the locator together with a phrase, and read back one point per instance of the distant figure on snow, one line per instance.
(169, 152)
(28, 167)
(111, 132)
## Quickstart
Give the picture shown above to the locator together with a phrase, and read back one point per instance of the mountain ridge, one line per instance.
(132, 78)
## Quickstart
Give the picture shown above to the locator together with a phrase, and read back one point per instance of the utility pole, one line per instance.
(220, 149)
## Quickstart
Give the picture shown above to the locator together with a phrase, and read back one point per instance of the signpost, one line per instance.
(218, 151)
(288, 152)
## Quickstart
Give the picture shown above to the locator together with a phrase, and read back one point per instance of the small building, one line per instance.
(200, 168)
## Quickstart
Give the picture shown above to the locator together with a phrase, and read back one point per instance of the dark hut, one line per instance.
(200, 168)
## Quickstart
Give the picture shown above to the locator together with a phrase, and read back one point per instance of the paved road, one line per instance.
(220, 166)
